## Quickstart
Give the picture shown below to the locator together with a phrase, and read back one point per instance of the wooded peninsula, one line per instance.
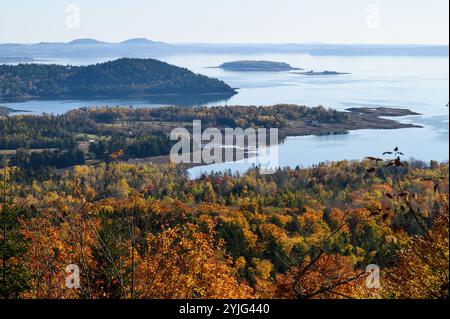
(37, 143)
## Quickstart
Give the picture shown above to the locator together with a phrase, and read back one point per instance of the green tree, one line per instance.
(13, 275)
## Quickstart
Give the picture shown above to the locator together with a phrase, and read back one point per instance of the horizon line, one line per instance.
(228, 43)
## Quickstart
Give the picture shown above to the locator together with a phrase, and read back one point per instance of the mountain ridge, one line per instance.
(141, 47)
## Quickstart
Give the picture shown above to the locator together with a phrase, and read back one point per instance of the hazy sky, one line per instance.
(263, 21)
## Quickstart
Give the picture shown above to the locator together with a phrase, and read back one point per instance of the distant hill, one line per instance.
(254, 66)
(141, 47)
(86, 42)
(138, 48)
(119, 78)
(138, 41)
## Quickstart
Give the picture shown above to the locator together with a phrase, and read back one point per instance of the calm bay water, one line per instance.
(416, 83)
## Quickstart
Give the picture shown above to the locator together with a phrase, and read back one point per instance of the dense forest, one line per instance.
(145, 231)
(49, 131)
(89, 135)
(68, 196)
(229, 116)
(138, 132)
(123, 77)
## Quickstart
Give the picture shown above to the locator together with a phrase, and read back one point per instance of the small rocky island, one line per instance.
(258, 66)
(312, 73)
(382, 111)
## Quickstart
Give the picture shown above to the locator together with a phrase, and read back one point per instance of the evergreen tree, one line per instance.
(13, 275)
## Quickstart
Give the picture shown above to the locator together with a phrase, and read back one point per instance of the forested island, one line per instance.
(257, 66)
(119, 78)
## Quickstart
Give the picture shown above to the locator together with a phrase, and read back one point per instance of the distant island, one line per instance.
(119, 78)
(382, 111)
(143, 48)
(322, 73)
(16, 60)
(257, 66)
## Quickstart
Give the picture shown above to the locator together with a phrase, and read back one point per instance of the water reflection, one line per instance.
(62, 106)
(423, 144)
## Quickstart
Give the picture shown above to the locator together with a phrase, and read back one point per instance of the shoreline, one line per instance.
(5, 111)
(29, 98)
(353, 119)
(361, 121)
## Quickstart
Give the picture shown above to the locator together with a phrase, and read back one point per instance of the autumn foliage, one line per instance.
(149, 232)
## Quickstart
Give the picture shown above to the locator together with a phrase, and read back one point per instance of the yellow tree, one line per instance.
(422, 270)
(182, 263)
